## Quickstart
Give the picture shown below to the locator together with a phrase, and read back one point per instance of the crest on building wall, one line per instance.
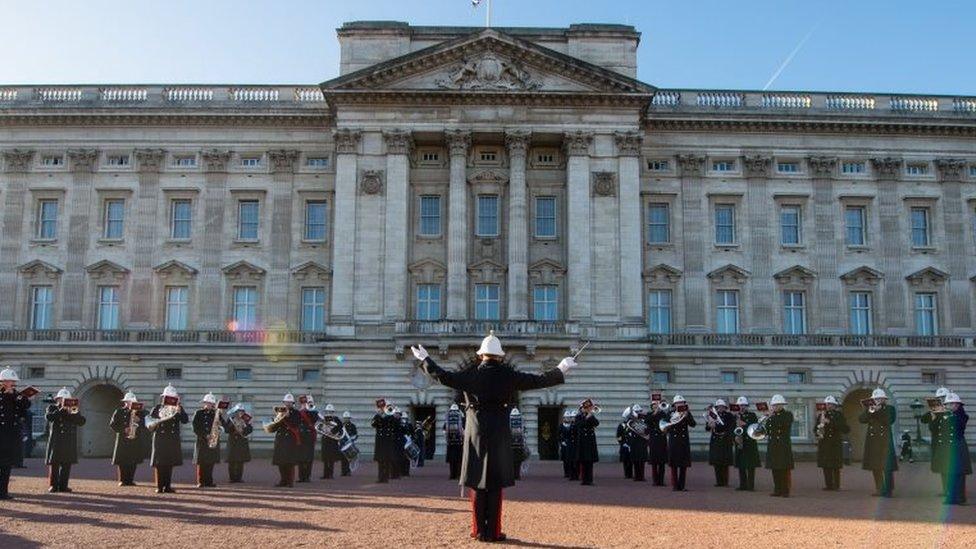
(488, 71)
(604, 184)
(371, 182)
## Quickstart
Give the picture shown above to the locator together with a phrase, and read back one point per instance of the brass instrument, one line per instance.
(821, 425)
(132, 429)
(326, 428)
(711, 416)
(675, 418)
(757, 431)
(213, 439)
(638, 427)
(281, 412)
(166, 413)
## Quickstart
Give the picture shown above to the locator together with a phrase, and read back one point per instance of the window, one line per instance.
(42, 308)
(114, 219)
(916, 169)
(250, 161)
(545, 217)
(724, 224)
(488, 155)
(659, 312)
(789, 222)
(173, 373)
(311, 374)
(185, 161)
(180, 219)
(242, 374)
(796, 377)
(801, 419)
(730, 376)
(723, 166)
(727, 312)
(932, 378)
(787, 167)
(972, 170)
(52, 160)
(854, 223)
(35, 372)
(658, 165)
(177, 307)
(545, 158)
(430, 215)
(428, 302)
(661, 377)
(245, 311)
(315, 220)
(47, 219)
(545, 301)
(313, 309)
(853, 167)
(317, 161)
(430, 156)
(118, 160)
(108, 308)
(659, 223)
(861, 317)
(247, 220)
(486, 302)
(794, 313)
(487, 215)
(926, 317)
(920, 227)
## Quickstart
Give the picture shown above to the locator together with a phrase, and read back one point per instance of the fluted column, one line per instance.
(518, 274)
(283, 164)
(827, 310)
(398, 146)
(763, 318)
(691, 168)
(344, 232)
(210, 282)
(146, 208)
(457, 229)
(577, 147)
(17, 164)
(628, 171)
(78, 206)
(891, 243)
(958, 285)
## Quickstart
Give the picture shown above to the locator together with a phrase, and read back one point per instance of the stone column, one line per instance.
(458, 142)
(694, 230)
(958, 292)
(283, 164)
(344, 231)
(828, 312)
(398, 146)
(763, 241)
(79, 209)
(211, 311)
(17, 163)
(146, 211)
(629, 207)
(577, 148)
(891, 243)
(518, 274)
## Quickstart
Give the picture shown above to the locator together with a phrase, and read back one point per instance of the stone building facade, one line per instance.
(258, 240)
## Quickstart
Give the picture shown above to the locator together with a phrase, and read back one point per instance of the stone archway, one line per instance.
(851, 406)
(98, 401)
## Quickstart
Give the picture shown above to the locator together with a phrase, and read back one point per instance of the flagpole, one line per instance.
(488, 15)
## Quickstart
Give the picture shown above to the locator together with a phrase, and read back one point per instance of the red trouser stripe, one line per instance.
(474, 514)
(498, 515)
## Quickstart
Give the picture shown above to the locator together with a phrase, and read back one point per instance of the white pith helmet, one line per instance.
(952, 397)
(679, 398)
(346, 415)
(288, 398)
(63, 393)
(329, 408)
(941, 392)
(720, 402)
(491, 346)
(170, 391)
(454, 407)
(777, 399)
(830, 400)
(878, 393)
(636, 409)
(742, 401)
(130, 397)
(626, 413)
(9, 374)
(209, 398)
(515, 412)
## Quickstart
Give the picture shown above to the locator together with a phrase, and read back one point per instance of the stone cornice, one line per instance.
(150, 160)
(458, 142)
(953, 128)
(518, 141)
(398, 141)
(346, 140)
(628, 143)
(950, 169)
(887, 167)
(822, 167)
(756, 165)
(283, 160)
(521, 98)
(83, 160)
(215, 160)
(17, 160)
(577, 143)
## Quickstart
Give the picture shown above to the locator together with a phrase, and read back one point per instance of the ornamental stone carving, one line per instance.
(950, 169)
(398, 141)
(690, 165)
(215, 160)
(458, 142)
(371, 182)
(797, 275)
(628, 143)
(17, 160)
(347, 140)
(729, 275)
(662, 274)
(862, 276)
(491, 177)
(756, 165)
(604, 184)
(887, 168)
(517, 142)
(488, 72)
(150, 160)
(83, 160)
(822, 166)
(283, 160)
(577, 143)
(929, 278)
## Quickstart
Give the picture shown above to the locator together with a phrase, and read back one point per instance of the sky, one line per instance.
(882, 46)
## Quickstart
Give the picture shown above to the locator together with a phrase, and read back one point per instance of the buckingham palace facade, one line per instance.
(259, 240)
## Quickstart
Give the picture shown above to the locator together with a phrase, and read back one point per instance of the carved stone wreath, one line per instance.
(604, 184)
(371, 182)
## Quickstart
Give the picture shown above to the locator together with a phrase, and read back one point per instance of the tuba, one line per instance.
(328, 428)
(666, 424)
(757, 431)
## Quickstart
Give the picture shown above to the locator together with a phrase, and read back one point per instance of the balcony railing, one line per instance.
(246, 337)
(810, 340)
(481, 327)
(180, 95)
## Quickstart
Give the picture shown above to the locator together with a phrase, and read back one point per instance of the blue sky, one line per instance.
(898, 46)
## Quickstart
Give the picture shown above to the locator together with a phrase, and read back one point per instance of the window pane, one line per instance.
(114, 218)
(181, 219)
(428, 302)
(854, 219)
(313, 309)
(47, 219)
(545, 216)
(790, 225)
(920, 227)
(486, 306)
(430, 215)
(860, 313)
(245, 308)
(725, 224)
(487, 215)
(926, 314)
(108, 308)
(727, 312)
(248, 220)
(315, 220)
(794, 313)
(659, 310)
(659, 220)
(42, 306)
(545, 301)
(176, 307)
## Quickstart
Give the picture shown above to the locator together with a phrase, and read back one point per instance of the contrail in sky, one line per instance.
(790, 57)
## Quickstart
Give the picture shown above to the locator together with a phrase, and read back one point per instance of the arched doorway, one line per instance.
(852, 411)
(97, 404)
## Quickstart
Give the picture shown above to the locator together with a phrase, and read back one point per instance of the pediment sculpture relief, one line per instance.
(488, 72)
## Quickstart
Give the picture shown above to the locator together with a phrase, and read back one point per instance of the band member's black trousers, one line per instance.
(678, 477)
(657, 473)
(487, 505)
(328, 469)
(781, 482)
(304, 471)
(518, 469)
(955, 488)
(628, 468)
(455, 467)
(572, 468)
(831, 478)
(346, 470)
(127, 474)
(747, 478)
(638, 470)
(586, 472)
(164, 477)
(205, 475)
(4, 481)
(287, 475)
(721, 475)
(58, 475)
(404, 468)
(884, 482)
(383, 471)
(235, 471)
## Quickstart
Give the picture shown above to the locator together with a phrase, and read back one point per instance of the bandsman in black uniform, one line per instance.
(657, 444)
(208, 422)
(330, 453)
(879, 443)
(13, 411)
(830, 431)
(586, 449)
(353, 435)
(488, 389)
(720, 422)
(308, 436)
(567, 445)
(746, 448)
(679, 444)
(286, 427)
(454, 435)
(624, 447)
(420, 438)
(637, 434)
(520, 449)
(239, 431)
(933, 419)
(167, 452)
(63, 420)
(954, 456)
(129, 424)
(405, 431)
(385, 427)
(779, 446)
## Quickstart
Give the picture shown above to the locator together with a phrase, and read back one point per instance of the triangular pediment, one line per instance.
(862, 275)
(797, 274)
(243, 268)
(311, 268)
(927, 276)
(173, 266)
(546, 271)
(487, 271)
(662, 272)
(729, 273)
(37, 267)
(106, 267)
(428, 271)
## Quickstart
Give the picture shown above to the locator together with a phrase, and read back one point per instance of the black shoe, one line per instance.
(53, 489)
(211, 485)
(169, 490)
(6, 497)
(66, 490)
(160, 490)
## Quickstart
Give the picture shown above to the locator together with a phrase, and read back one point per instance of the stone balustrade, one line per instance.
(809, 102)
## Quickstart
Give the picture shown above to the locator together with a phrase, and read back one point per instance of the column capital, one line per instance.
(691, 164)
(577, 143)
(283, 160)
(950, 169)
(398, 141)
(887, 167)
(17, 160)
(347, 140)
(628, 143)
(822, 167)
(150, 160)
(215, 160)
(756, 165)
(518, 141)
(458, 141)
(83, 160)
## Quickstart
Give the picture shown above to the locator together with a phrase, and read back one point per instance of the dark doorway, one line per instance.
(549, 419)
(852, 410)
(97, 405)
(427, 415)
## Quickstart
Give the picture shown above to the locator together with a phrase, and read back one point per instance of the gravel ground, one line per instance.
(425, 510)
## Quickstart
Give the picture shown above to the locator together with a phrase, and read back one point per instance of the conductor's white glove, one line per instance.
(419, 352)
(566, 363)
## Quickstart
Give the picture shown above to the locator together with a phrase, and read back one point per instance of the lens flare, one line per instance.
(341, 359)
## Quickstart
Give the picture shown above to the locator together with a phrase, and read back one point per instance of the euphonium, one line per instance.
(166, 413)
(281, 412)
(326, 428)
(757, 431)
(665, 424)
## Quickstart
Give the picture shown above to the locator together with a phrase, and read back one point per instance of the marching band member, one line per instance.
(405, 433)
(720, 423)
(779, 447)
(567, 445)
(831, 426)
(167, 452)
(637, 437)
(287, 440)
(879, 442)
(420, 437)
(13, 410)
(955, 458)
(933, 418)
(488, 388)
(330, 453)
(624, 447)
(129, 424)
(679, 445)
(207, 424)
(586, 450)
(454, 434)
(238, 443)
(746, 448)
(62, 439)
(657, 444)
(519, 450)
(383, 446)
(307, 435)
(353, 434)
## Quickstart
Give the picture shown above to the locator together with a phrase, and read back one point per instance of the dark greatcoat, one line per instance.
(455, 440)
(307, 434)
(287, 440)
(203, 454)
(128, 451)
(62, 435)
(720, 444)
(567, 442)
(489, 388)
(166, 447)
(679, 445)
(637, 443)
(779, 445)
(586, 448)
(952, 452)
(238, 445)
(13, 411)
(830, 448)
(934, 421)
(879, 441)
(657, 445)
(747, 451)
(622, 440)
(384, 443)
(330, 447)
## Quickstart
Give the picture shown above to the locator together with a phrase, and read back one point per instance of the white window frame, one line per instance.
(43, 221)
(659, 311)
(307, 228)
(481, 231)
(725, 307)
(428, 304)
(719, 207)
(651, 224)
(426, 216)
(546, 298)
(177, 308)
(108, 311)
(42, 307)
(789, 167)
(175, 221)
(926, 305)
(926, 228)
(241, 223)
(863, 235)
(794, 312)
(108, 221)
(244, 308)
(540, 218)
(860, 313)
(797, 226)
(313, 311)
(853, 167)
(487, 302)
